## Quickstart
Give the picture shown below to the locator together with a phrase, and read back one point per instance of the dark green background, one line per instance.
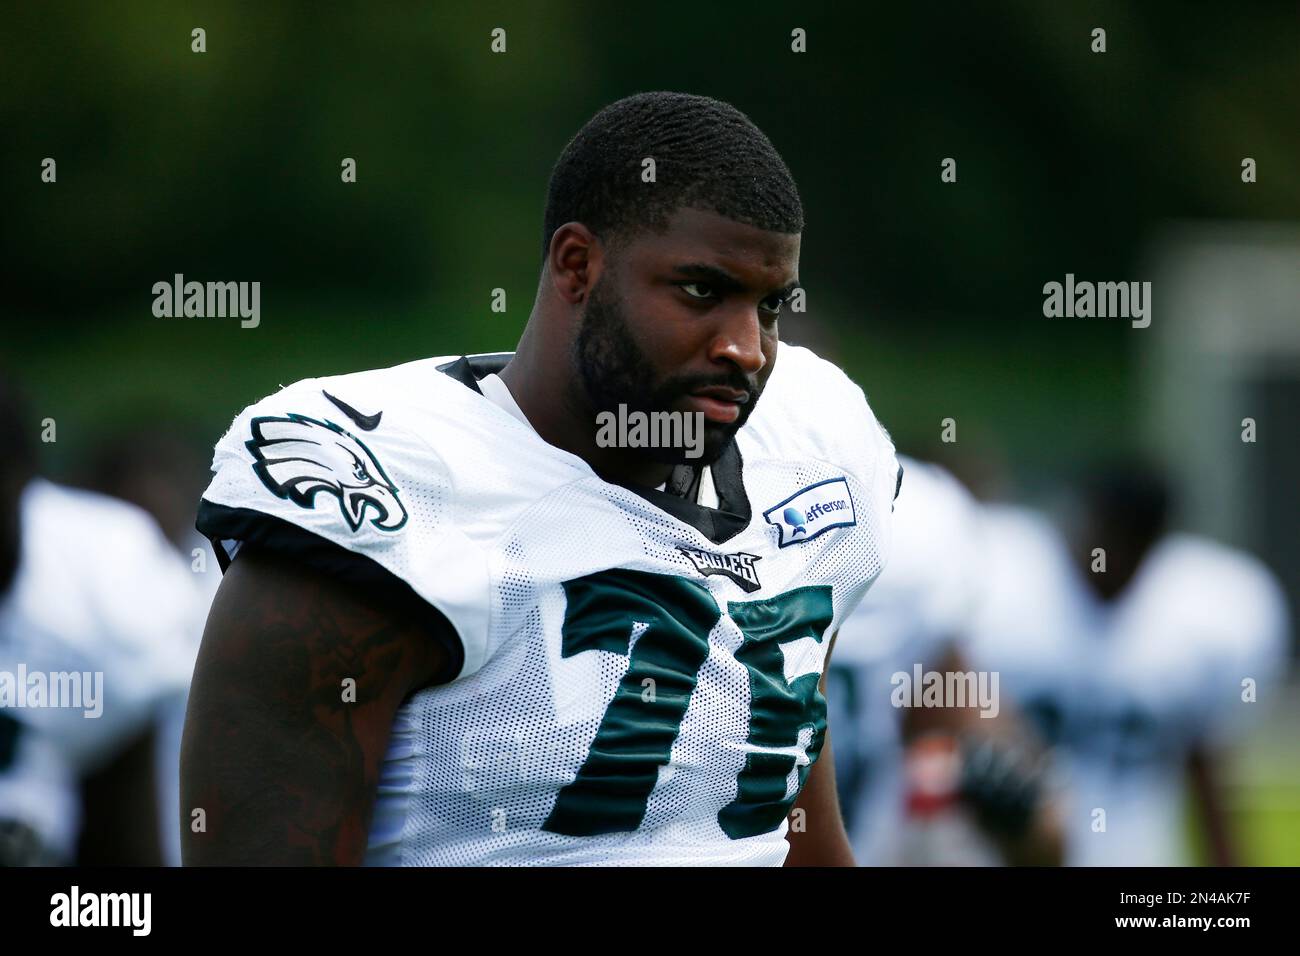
(225, 166)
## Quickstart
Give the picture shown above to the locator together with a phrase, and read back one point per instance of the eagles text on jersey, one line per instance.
(636, 675)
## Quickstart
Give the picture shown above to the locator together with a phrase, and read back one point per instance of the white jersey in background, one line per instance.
(98, 591)
(636, 675)
(1124, 690)
(922, 602)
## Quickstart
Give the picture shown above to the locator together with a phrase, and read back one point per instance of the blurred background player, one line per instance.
(1137, 662)
(160, 468)
(87, 584)
(928, 786)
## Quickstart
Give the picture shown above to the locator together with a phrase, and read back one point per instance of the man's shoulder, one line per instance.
(1213, 588)
(100, 581)
(78, 516)
(799, 370)
(425, 413)
(414, 385)
(375, 443)
(811, 408)
(367, 477)
(95, 550)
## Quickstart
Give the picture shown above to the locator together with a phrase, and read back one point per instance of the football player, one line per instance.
(153, 464)
(1137, 654)
(94, 603)
(461, 625)
(958, 776)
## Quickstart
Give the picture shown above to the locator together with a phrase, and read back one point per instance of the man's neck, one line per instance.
(549, 399)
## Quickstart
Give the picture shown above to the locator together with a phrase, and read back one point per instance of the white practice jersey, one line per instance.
(95, 638)
(638, 674)
(1125, 690)
(922, 602)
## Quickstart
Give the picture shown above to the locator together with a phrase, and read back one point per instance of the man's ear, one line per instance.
(575, 262)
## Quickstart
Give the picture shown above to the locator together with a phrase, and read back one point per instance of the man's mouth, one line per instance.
(717, 403)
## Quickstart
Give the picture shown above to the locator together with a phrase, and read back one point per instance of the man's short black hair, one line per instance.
(708, 155)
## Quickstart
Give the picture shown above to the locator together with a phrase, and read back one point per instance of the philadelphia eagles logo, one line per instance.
(298, 458)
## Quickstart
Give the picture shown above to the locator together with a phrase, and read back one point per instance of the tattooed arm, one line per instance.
(283, 768)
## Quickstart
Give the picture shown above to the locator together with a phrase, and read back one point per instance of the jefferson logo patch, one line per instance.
(812, 511)
(738, 566)
(299, 458)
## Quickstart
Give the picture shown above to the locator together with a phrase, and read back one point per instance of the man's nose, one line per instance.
(739, 339)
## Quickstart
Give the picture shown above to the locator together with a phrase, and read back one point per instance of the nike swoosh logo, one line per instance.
(366, 423)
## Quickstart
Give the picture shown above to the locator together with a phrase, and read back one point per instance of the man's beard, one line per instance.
(614, 370)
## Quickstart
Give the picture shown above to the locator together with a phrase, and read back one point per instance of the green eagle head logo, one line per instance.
(298, 458)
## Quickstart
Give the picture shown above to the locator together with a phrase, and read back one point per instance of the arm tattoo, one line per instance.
(284, 768)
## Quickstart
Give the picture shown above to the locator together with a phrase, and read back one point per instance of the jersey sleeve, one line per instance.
(829, 412)
(848, 432)
(880, 470)
(1246, 661)
(357, 497)
(866, 449)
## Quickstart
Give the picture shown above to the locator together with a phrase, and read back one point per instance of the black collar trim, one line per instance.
(720, 524)
(468, 369)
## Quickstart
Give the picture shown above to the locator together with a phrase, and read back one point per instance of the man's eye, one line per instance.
(693, 289)
(773, 303)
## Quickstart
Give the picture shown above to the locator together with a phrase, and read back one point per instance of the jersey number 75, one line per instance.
(612, 788)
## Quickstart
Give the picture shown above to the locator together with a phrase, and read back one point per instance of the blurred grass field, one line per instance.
(1263, 789)
(1266, 796)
